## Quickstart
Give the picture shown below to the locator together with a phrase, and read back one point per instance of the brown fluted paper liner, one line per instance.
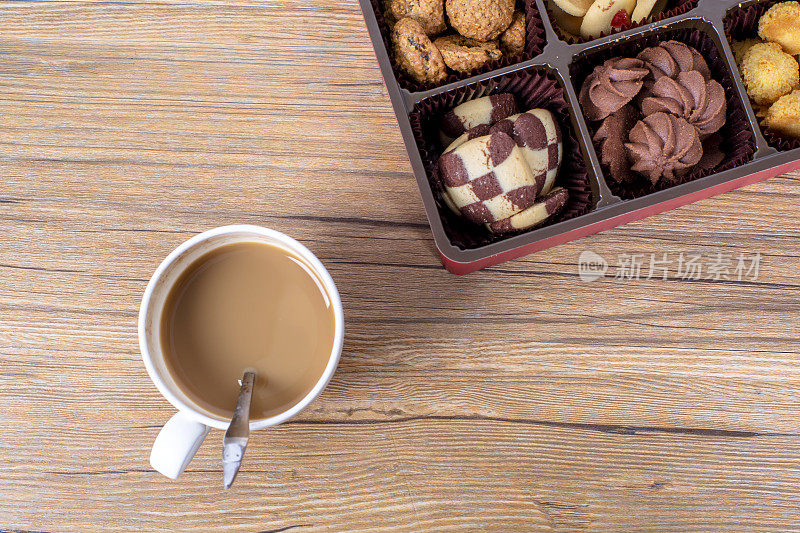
(674, 8)
(740, 24)
(533, 88)
(738, 144)
(534, 44)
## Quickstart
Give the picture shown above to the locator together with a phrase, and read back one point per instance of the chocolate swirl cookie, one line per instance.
(690, 96)
(670, 58)
(612, 85)
(664, 146)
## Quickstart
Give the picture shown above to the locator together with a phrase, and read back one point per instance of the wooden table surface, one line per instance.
(516, 398)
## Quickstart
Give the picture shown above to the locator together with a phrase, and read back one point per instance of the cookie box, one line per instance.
(549, 74)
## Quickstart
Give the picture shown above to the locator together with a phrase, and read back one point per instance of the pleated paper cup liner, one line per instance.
(742, 23)
(738, 143)
(673, 8)
(536, 87)
(534, 44)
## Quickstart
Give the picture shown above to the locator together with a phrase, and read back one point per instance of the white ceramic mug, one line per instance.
(183, 434)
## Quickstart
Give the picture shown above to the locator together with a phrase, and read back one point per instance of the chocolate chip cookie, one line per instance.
(512, 41)
(415, 53)
(428, 13)
(463, 54)
(483, 20)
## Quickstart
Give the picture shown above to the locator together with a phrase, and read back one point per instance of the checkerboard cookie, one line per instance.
(536, 215)
(473, 133)
(486, 110)
(501, 172)
(488, 179)
(537, 133)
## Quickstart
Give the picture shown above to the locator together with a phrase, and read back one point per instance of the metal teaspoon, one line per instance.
(235, 440)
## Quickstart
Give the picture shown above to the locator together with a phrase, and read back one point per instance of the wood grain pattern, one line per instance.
(516, 398)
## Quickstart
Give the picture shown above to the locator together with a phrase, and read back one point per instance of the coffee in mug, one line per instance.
(247, 305)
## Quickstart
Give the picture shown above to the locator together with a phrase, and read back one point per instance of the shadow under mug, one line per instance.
(183, 434)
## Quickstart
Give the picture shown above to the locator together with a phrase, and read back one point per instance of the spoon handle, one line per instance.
(235, 440)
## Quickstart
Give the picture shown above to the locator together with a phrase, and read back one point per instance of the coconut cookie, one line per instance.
(784, 115)
(415, 53)
(781, 24)
(463, 54)
(769, 73)
(740, 48)
(770, 69)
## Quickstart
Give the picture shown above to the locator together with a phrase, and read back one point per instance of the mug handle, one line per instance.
(176, 444)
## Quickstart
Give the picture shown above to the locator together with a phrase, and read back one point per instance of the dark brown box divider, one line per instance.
(559, 67)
